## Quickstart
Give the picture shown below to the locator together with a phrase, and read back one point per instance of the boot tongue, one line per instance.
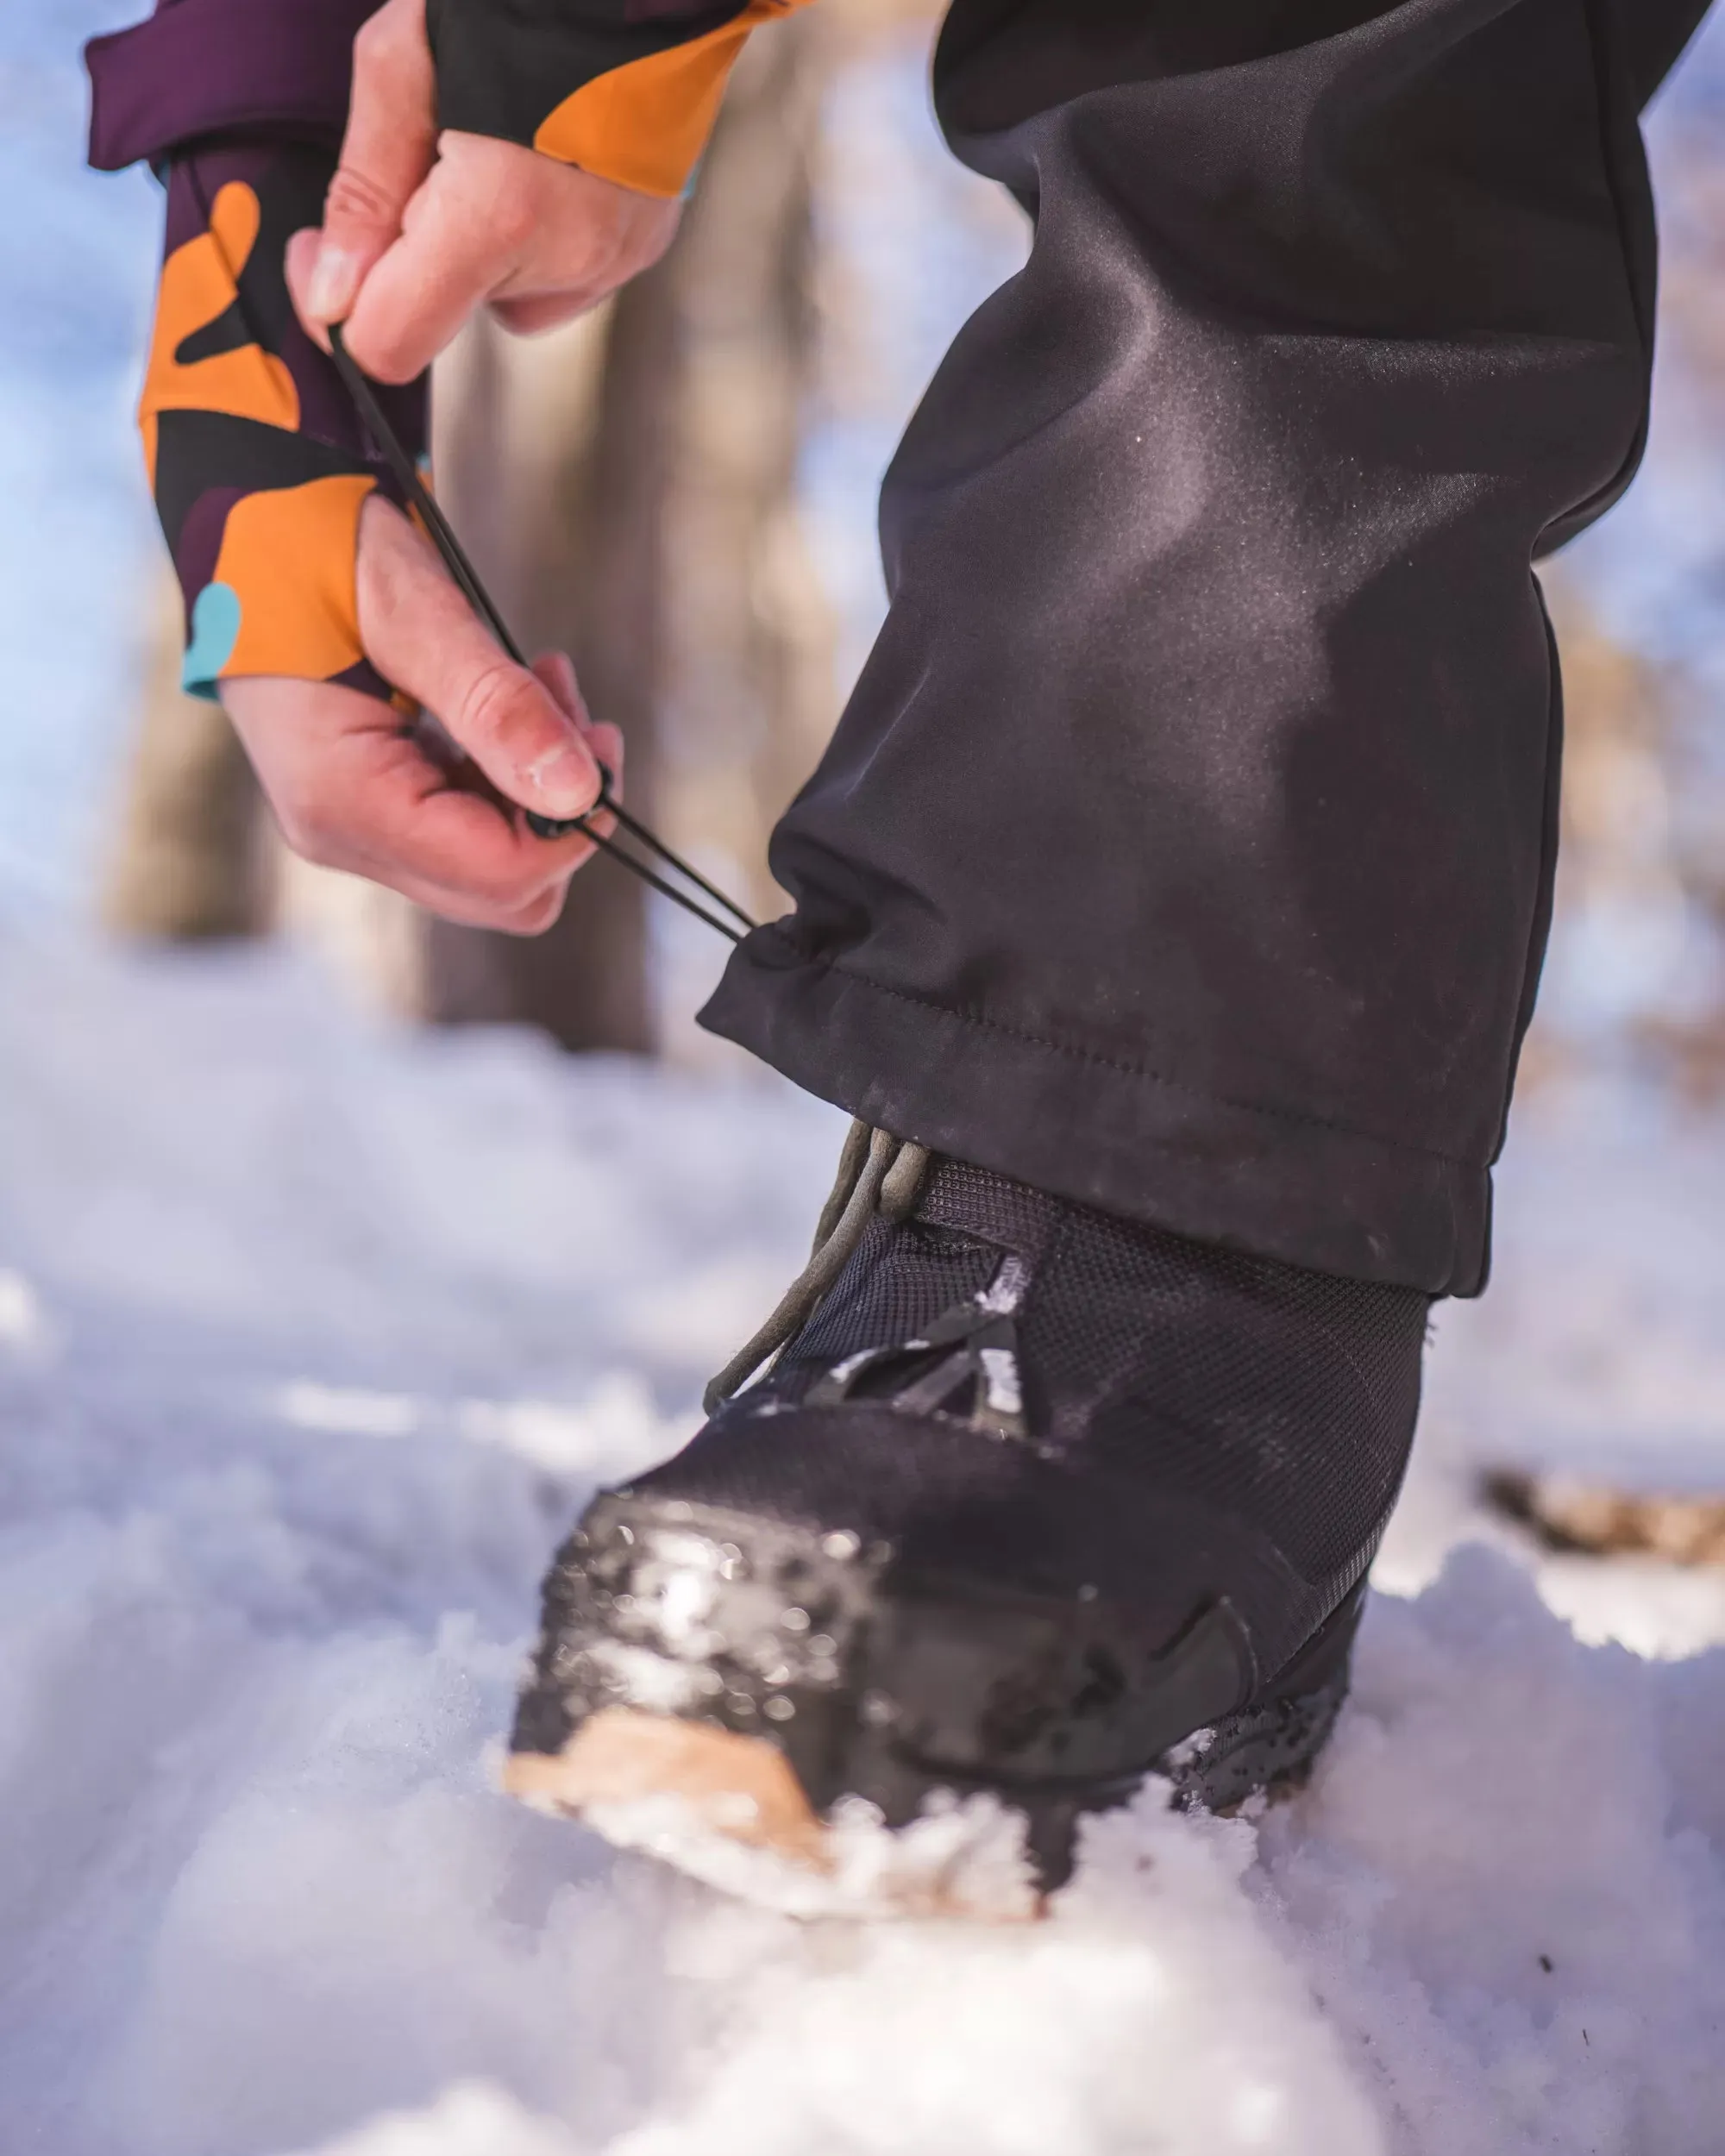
(994, 1208)
(963, 1364)
(954, 1353)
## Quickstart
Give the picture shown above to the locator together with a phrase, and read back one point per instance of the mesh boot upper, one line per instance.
(1194, 1421)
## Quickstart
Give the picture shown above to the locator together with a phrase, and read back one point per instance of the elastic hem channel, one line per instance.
(1098, 1132)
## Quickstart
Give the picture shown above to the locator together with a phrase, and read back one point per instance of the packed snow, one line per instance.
(313, 1333)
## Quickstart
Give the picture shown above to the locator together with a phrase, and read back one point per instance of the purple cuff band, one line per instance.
(199, 68)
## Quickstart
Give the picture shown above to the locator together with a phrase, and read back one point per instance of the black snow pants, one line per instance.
(1186, 845)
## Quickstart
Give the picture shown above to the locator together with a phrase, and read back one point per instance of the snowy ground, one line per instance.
(312, 1335)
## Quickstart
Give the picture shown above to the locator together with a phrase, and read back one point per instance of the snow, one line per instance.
(312, 1335)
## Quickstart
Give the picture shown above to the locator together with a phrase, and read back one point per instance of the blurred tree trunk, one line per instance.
(553, 467)
(639, 511)
(749, 694)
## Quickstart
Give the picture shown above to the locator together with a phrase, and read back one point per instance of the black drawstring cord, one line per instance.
(454, 558)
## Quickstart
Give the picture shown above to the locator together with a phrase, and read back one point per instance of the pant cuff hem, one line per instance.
(1279, 1185)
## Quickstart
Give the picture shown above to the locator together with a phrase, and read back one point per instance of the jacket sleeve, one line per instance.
(256, 455)
(626, 89)
(203, 70)
(254, 451)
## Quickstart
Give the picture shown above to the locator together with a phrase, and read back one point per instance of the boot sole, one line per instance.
(729, 1810)
(692, 1793)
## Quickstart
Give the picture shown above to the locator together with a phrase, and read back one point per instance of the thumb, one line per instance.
(389, 145)
(421, 634)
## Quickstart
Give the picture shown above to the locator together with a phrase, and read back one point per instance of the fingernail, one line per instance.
(562, 781)
(334, 277)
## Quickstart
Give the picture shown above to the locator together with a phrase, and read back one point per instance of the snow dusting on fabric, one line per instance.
(312, 1336)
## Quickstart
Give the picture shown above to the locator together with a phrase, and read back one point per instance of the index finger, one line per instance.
(449, 258)
(421, 634)
(355, 788)
(388, 148)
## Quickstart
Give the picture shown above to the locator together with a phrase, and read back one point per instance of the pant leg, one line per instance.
(1648, 37)
(1186, 847)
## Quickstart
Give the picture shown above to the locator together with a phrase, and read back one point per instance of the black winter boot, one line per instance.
(1036, 1502)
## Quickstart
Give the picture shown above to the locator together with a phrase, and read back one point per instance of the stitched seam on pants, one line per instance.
(1155, 1077)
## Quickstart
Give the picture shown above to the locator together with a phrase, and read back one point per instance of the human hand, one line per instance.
(420, 231)
(432, 810)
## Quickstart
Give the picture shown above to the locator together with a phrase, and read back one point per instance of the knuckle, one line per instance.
(495, 707)
(310, 834)
(354, 197)
(509, 887)
(538, 918)
(384, 358)
(645, 243)
(513, 217)
(494, 901)
(382, 41)
(310, 825)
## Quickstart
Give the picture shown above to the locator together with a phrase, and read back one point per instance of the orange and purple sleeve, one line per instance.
(627, 89)
(257, 460)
